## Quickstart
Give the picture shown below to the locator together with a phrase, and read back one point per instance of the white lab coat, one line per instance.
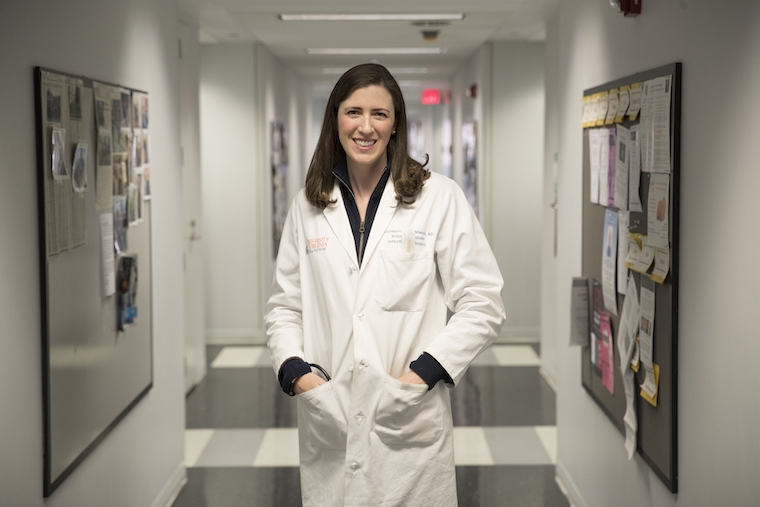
(366, 439)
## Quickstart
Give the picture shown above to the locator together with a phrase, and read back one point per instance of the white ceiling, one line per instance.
(257, 21)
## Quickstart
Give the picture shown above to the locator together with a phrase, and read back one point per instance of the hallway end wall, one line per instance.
(718, 380)
(135, 43)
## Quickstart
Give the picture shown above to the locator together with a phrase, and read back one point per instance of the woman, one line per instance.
(374, 253)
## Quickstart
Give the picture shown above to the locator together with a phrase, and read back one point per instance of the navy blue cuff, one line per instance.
(430, 370)
(290, 371)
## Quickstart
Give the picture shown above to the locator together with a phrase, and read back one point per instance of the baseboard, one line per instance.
(567, 486)
(528, 334)
(172, 487)
(549, 377)
(236, 337)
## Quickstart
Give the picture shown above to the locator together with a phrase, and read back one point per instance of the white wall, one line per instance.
(243, 89)
(718, 409)
(509, 110)
(517, 147)
(134, 43)
(549, 338)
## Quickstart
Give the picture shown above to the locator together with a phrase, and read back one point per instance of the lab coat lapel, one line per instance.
(338, 220)
(385, 212)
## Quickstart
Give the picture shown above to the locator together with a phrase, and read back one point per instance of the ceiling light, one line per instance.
(375, 51)
(392, 70)
(372, 17)
(409, 84)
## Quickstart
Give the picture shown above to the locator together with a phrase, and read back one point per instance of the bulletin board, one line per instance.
(656, 438)
(93, 159)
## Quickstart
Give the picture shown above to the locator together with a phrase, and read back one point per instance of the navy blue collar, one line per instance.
(352, 210)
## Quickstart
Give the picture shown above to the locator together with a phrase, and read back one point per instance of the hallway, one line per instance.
(242, 450)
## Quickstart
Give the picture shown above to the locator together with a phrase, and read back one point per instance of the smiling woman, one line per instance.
(376, 251)
(365, 125)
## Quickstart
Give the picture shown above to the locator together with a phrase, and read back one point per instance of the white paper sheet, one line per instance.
(646, 334)
(622, 154)
(594, 154)
(624, 100)
(658, 206)
(644, 260)
(655, 125)
(661, 265)
(635, 106)
(604, 166)
(106, 249)
(634, 170)
(612, 108)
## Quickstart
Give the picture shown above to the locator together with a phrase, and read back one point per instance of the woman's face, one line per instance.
(365, 124)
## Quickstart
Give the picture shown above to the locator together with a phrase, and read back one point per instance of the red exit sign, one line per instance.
(431, 96)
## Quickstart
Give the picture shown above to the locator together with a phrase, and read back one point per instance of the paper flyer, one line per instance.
(609, 260)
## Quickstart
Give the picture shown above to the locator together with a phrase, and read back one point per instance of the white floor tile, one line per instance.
(231, 448)
(278, 449)
(195, 443)
(471, 447)
(516, 445)
(238, 357)
(548, 437)
(516, 355)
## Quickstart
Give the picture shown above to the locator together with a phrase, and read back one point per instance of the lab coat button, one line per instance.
(360, 315)
(355, 466)
(359, 415)
(363, 363)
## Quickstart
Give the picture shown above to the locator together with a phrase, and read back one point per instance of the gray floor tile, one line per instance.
(240, 487)
(509, 486)
(499, 396)
(240, 398)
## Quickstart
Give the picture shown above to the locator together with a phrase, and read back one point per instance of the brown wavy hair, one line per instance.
(408, 175)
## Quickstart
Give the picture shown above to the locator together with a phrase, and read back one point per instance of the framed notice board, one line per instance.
(656, 220)
(93, 157)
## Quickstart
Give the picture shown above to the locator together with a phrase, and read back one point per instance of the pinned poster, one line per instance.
(620, 193)
(595, 142)
(635, 106)
(586, 112)
(604, 166)
(652, 399)
(612, 166)
(606, 356)
(661, 265)
(634, 171)
(612, 108)
(609, 257)
(579, 331)
(624, 100)
(603, 107)
(657, 210)
(646, 335)
(622, 268)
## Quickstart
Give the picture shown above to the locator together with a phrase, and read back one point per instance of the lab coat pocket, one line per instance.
(324, 422)
(406, 282)
(408, 414)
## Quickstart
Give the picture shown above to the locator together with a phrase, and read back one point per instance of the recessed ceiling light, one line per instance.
(375, 51)
(372, 17)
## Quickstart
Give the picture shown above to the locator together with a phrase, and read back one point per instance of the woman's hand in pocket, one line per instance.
(307, 383)
(411, 378)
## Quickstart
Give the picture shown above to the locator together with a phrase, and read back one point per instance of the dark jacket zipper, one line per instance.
(361, 242)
